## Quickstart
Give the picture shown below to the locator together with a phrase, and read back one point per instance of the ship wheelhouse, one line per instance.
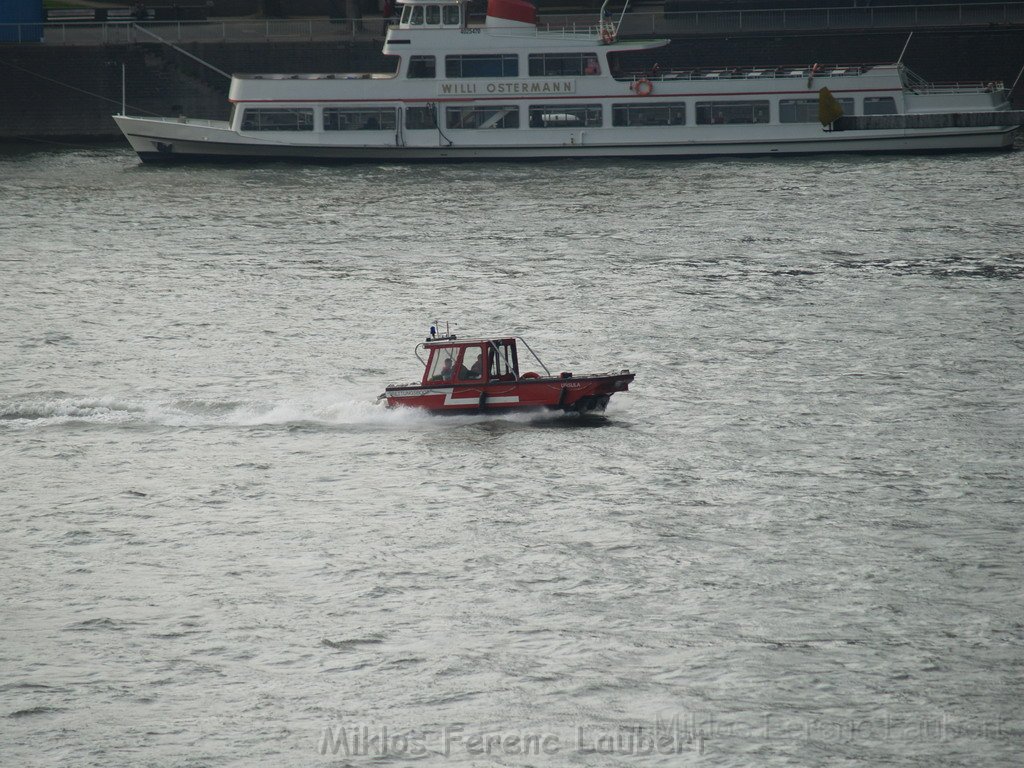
(471, 361)
(439, 14)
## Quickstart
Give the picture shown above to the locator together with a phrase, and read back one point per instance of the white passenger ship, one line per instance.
(505, 89)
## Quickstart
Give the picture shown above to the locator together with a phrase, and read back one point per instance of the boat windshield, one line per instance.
(442, 366)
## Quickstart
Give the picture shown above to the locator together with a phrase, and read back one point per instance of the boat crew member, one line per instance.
(446, 371)
(476, 369)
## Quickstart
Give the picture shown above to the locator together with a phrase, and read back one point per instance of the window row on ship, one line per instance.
(552, 115)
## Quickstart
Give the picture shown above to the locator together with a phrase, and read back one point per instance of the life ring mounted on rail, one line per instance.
(643, 87)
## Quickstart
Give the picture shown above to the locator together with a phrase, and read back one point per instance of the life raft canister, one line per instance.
(643, 87)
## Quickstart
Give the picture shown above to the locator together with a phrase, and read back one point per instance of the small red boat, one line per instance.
(483, 376)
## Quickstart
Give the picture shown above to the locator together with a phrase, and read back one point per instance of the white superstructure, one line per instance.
(507, 90)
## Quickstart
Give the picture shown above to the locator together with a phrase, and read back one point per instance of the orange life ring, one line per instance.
(607, 37)
(530, 375)
(643, 87)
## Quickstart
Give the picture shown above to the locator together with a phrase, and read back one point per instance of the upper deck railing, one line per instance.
(633, 24)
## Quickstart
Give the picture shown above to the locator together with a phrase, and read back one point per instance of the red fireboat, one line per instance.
(483, 376)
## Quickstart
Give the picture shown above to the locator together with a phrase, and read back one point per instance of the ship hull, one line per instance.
(161, 141)
(580, 395)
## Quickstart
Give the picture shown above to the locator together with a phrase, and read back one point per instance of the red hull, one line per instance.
(575, 393)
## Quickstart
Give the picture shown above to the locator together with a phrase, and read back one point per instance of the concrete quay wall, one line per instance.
(71, 92)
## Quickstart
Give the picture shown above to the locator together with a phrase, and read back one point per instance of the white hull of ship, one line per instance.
(168, 140)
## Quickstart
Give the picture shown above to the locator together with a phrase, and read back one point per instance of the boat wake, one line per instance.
(340, 411)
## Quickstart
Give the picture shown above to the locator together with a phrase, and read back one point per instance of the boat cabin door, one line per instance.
(503, 362)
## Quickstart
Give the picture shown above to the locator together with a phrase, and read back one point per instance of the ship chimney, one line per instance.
(512, 15)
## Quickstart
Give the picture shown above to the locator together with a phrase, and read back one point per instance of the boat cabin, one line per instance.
(471, 361)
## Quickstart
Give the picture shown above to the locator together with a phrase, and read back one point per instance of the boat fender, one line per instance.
(643, 87)
(530, 375)
(561, 397)
(483, 401)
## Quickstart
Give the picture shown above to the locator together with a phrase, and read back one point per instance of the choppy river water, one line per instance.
(796, 541)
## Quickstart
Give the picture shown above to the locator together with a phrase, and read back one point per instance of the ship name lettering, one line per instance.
(458, 87)
(561, 86)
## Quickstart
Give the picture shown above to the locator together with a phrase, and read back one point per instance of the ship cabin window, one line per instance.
(337, 119)
(431, 16)
(473, 364)
(502, 361)
(420, 118)
(482, 65)
(442, 364)
(806, 110)
(422, 67)
(565, 116)
(561, 64)
(883, 105)
(649, 114)
(731, 112)
(277, 119)
(505, 116)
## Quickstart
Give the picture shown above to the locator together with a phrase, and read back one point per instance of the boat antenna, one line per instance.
(905, 45)
(182, 51)
(124, 108)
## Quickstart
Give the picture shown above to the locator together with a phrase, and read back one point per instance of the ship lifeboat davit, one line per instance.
(511, 14)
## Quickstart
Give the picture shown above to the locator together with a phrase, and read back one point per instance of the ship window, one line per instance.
(649, 114)
(505, 116)
(718, 112)
(270, 119)
(433, 14)
(406, 13)
(419, 118)
(451, 15)
(422, 66)
(560, 64)
(471, 366)
(417, 16)
(806, 110)
(883, 105)
(359, 119)
(442, 367)
(565, 116)
(482, 65)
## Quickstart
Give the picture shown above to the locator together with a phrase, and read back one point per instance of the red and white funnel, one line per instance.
(511, 14)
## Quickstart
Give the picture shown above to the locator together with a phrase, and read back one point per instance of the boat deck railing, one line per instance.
(748, 72)
(632, 24)
(190, 121)
(918, 84)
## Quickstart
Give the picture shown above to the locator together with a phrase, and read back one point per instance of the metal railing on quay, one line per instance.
(373, 28)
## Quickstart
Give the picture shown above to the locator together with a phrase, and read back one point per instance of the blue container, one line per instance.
(27, 14)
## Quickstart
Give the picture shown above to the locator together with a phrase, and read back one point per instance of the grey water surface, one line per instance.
(796, 541)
